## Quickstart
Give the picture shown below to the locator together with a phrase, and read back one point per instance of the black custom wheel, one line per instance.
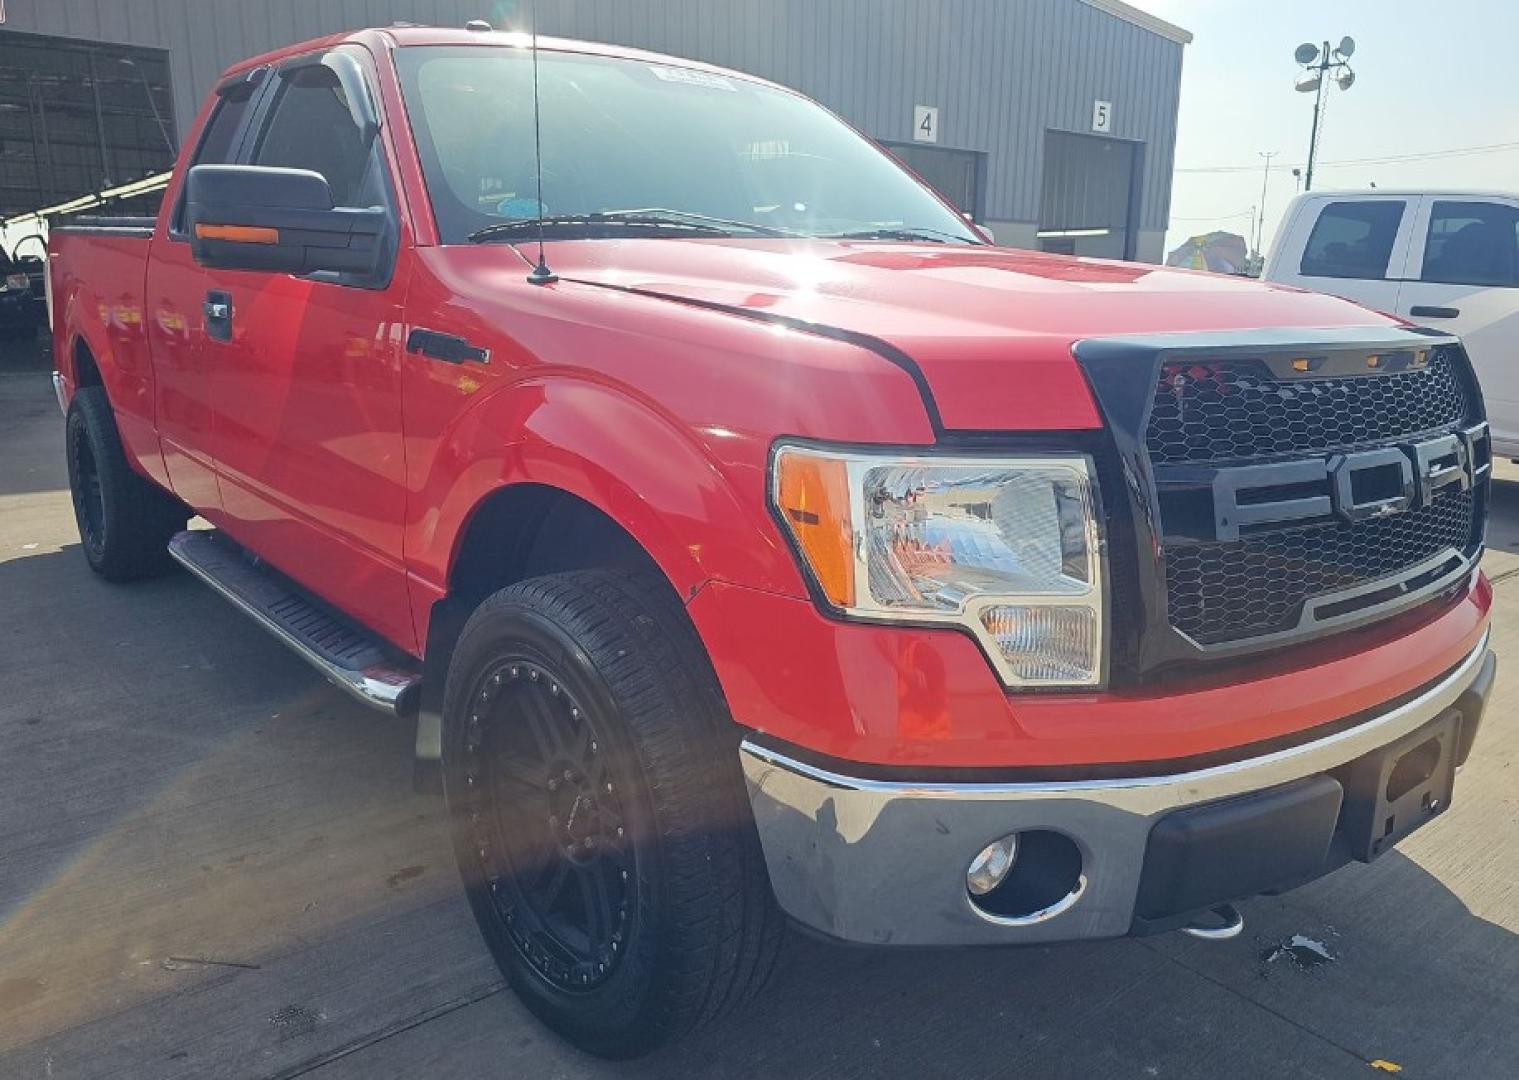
(551, 832)
(600, 820)
(125, 522)
(89, 499)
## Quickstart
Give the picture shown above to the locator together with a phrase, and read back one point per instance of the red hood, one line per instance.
(984, 324)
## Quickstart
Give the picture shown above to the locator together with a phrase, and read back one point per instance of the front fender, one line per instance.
(694, 500)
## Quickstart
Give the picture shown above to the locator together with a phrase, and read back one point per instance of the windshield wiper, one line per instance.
(904, 232)
(653, 218)
(559, 224)
(707, 219)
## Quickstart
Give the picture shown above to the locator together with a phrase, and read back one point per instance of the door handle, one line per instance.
(446, 347)
(218, 311)
(1422, 311)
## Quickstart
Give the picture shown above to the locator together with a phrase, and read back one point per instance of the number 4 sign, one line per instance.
(925, 123)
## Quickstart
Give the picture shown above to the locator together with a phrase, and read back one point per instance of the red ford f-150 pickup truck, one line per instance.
(768, 543)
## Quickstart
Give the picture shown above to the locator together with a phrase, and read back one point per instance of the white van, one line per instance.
(1446, 259)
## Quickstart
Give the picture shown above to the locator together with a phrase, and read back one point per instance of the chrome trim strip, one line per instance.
(387, 689)
(1152, 794)
(59, 391)
(1059, 907)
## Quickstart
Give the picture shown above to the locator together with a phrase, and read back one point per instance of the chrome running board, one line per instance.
(349, 657)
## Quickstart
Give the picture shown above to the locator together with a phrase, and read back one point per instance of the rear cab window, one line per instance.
(1472, 242)
(1353, 239)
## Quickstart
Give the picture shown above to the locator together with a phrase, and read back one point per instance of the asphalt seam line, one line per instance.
(364, 1042)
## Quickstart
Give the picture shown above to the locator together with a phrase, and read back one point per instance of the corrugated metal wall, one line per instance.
(1000, 71)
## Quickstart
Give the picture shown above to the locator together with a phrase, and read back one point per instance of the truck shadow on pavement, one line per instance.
(1411, 966)
(1503, 516)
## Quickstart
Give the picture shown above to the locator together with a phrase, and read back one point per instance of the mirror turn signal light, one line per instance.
(812, 495)
(238, 234)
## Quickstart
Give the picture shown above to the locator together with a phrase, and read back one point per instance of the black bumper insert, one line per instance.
(1239, 847)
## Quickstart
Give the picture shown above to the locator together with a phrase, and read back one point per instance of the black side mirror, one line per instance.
(253, 217)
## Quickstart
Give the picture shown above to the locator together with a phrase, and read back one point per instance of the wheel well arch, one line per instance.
(524, 530)
(519, 531)
(86, 369)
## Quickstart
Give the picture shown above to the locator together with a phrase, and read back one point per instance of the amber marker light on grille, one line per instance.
(812, 494)
(239, 234)
(1373, 361)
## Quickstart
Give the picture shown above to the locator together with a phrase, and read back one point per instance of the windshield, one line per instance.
(623, 135)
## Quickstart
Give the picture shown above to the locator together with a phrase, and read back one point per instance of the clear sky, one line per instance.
(1431, 75)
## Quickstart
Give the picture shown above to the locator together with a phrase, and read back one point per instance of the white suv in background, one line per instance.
(1446, 259)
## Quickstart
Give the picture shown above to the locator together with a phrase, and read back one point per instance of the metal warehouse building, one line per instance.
(1051, 121)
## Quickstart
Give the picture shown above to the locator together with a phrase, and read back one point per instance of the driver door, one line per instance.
(306, 370)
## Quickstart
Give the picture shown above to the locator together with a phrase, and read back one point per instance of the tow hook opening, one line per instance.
(1044, 880)
(1413, 768)
(1219, 923)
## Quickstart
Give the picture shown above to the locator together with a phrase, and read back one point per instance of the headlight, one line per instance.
(1007, 548)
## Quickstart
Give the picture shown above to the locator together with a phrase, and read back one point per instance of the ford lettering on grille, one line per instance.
(1352, 486)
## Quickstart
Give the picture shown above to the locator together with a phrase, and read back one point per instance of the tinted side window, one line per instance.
(216, 143)
(1472, 243)
(311, 128)
(1353, 239)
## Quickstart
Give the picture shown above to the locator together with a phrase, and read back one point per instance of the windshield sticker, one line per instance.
(694, 78)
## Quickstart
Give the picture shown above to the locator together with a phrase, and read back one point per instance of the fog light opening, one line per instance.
(1042, 879)
(991, 865)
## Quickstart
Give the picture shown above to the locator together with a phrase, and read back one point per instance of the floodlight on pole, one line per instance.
(1321, 62)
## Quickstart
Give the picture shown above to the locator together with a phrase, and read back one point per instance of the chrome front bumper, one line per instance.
(60, 391)
(884, 862)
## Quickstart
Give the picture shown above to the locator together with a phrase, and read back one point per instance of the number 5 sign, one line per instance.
(925, 123)
(1102, 117)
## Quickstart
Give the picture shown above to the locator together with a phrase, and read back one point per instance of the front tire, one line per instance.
(125, 522)
(600, 818)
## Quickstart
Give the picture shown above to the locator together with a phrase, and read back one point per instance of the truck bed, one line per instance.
(97, 271)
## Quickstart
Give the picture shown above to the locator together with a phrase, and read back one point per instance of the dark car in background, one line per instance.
(22, 288)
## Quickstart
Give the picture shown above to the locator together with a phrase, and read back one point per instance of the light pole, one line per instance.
(1260, 227)
(1318, 62)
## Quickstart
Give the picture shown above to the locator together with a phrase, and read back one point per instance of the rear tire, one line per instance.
(600, 817)
(125, 521)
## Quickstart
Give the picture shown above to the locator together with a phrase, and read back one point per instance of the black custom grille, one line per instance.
(1206, 412)
(1224, 592)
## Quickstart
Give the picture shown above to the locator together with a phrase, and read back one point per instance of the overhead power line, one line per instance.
(1215, 217)
(1391, 159)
